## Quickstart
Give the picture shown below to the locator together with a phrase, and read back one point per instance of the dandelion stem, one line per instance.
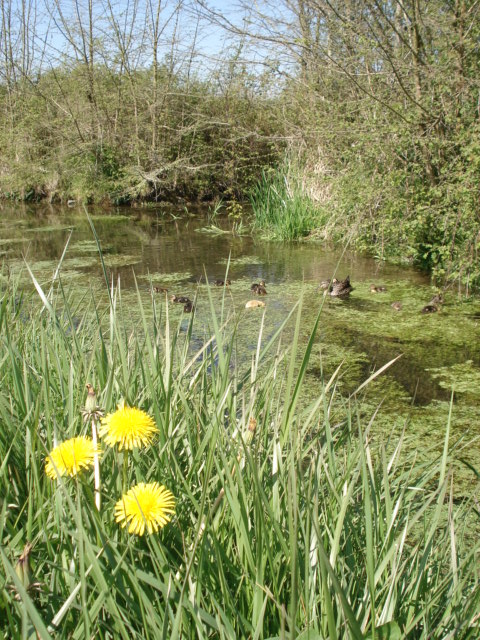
(125, 470)
(96, 466)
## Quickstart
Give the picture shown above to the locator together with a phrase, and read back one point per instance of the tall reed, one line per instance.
(280, 209)
(287, 525)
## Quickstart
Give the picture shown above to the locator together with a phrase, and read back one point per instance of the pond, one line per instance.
(178, 249)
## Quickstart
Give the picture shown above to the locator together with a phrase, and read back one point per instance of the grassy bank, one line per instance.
(286, 525)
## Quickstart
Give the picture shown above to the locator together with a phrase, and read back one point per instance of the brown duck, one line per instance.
(179, 299)
(430, 308)
(375, 289)
(259, 288)
(340, 288)
(434, 305)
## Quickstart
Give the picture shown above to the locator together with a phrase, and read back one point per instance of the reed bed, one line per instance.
(286, 525)
(280, 208)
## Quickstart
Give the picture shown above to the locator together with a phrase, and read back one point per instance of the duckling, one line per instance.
(179, 299)
(434, 305)
(160, 289)
(375, 289)
(222, 283)
(340, 288)
(253, 304)
(255, 286)
(325, 284)
(398, 306)
(429, 308)
(188, 307)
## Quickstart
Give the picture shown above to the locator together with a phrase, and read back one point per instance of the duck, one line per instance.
(160, 289)
(375, 289)
(221, 283)
(180, 299)
(188, 307)
(254, 304)
(340, 288)
(397, 306)
(259, 288)
(430, 308)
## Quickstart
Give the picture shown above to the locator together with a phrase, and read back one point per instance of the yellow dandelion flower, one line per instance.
(145, 505)
(70, 457)
(128, 427)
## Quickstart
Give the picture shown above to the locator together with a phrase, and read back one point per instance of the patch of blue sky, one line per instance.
(191, 36)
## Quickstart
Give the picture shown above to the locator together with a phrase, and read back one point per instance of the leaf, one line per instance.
(388, 631)
(309, 634)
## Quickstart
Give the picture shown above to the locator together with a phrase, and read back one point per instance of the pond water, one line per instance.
(177, 249)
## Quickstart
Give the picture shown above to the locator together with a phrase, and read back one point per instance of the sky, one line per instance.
(54, 29)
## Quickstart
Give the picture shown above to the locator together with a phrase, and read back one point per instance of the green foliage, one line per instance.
(398, 217)
(61, 142)
(286, 523)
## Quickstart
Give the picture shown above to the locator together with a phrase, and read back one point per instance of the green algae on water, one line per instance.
(88, 246)
(462, 377)
(9, 241)
(120, 260)
(159, 277)
(241, 260)
(114, 217)
(50, 228)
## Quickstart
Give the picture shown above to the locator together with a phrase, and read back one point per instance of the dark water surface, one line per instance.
(175, 249)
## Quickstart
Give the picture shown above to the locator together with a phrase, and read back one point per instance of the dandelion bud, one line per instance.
(22, 568)
(252, 426)
(91, 401)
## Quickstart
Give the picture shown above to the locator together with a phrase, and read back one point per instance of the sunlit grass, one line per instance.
(289, 523)
(280, 210)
